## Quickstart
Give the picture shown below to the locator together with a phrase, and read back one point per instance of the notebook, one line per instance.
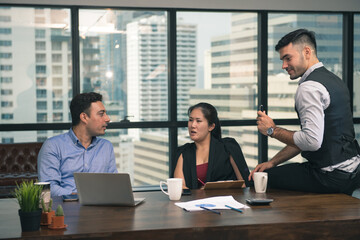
(105, 189)
(224, 184)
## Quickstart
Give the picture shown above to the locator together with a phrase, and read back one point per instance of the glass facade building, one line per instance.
(150, 66)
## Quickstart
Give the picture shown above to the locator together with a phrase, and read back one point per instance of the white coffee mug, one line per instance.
(260, 181)
(174, 186)
(45, 194)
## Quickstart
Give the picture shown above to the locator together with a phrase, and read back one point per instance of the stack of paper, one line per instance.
(211, 203)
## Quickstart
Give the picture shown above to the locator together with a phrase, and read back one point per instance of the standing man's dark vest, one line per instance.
(339, 142)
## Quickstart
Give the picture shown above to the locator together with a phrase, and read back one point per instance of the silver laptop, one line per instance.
(105, 189)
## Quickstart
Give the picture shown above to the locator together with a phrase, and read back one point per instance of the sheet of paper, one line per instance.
(212, 203)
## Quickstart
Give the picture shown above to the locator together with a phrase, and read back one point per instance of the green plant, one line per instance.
(28, 196)
(44, 208)
(59, 211)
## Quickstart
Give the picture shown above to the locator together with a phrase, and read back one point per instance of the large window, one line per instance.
(124, 54)
(29, 57)
(217, 63)
(328, 30)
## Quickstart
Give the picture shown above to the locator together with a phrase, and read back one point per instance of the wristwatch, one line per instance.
(270, 131)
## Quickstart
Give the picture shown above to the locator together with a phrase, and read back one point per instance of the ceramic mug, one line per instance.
(174, 186)
(45, 194)
(260, 181)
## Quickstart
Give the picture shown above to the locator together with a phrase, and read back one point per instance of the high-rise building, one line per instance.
(128, 65)
(147, 89)
(36, 75)
(147, 67)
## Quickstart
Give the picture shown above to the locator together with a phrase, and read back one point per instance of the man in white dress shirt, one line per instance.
(327, 137)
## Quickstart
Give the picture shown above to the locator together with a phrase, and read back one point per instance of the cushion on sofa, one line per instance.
(18, 162)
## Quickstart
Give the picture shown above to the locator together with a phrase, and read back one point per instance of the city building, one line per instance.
(124, 55)
(147, 89)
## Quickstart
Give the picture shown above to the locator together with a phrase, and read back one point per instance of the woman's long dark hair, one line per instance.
(211, 116)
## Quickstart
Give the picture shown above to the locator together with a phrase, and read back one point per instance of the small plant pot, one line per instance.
(57, 222)
(46, 218)
(30, 221)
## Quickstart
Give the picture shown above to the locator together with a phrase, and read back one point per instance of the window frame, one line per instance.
(172, 124)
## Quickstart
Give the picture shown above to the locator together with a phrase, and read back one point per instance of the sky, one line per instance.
(208, 25)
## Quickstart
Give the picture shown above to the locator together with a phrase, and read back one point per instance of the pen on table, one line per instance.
(211, 210)
(201, 182)
(235, 209)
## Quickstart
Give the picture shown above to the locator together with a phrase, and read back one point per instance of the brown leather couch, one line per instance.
(18, 162)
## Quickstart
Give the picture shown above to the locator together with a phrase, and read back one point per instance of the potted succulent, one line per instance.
(47, 212)
(58, 219)
(28, 196)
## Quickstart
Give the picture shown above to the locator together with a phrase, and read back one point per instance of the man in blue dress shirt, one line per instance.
(79, 150)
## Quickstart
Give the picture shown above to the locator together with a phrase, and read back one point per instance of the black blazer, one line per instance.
(219, 167)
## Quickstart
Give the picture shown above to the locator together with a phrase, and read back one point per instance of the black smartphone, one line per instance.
(70, 198)
(186, 192)
(259, 201)
(261, 108)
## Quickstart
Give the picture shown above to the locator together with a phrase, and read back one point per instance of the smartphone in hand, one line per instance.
(261, 108)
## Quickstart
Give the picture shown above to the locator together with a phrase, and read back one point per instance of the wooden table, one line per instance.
(292, 215)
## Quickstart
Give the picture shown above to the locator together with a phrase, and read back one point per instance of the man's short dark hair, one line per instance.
(81, 103)
(298, 36)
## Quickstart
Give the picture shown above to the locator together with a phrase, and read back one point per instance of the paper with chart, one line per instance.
(211, 203)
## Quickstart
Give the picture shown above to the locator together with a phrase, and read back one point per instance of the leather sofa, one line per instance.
(18, 162)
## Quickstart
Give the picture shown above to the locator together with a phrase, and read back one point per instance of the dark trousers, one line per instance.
(301, 177)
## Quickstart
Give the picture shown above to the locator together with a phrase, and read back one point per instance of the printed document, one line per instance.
(211, 203)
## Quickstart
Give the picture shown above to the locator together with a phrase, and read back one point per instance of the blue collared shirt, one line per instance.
(62, 155)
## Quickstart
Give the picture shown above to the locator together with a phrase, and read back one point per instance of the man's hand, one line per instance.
(260, 168)
(264, 122)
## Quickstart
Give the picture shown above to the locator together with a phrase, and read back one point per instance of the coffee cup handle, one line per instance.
(264, 180)
(161, 183)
